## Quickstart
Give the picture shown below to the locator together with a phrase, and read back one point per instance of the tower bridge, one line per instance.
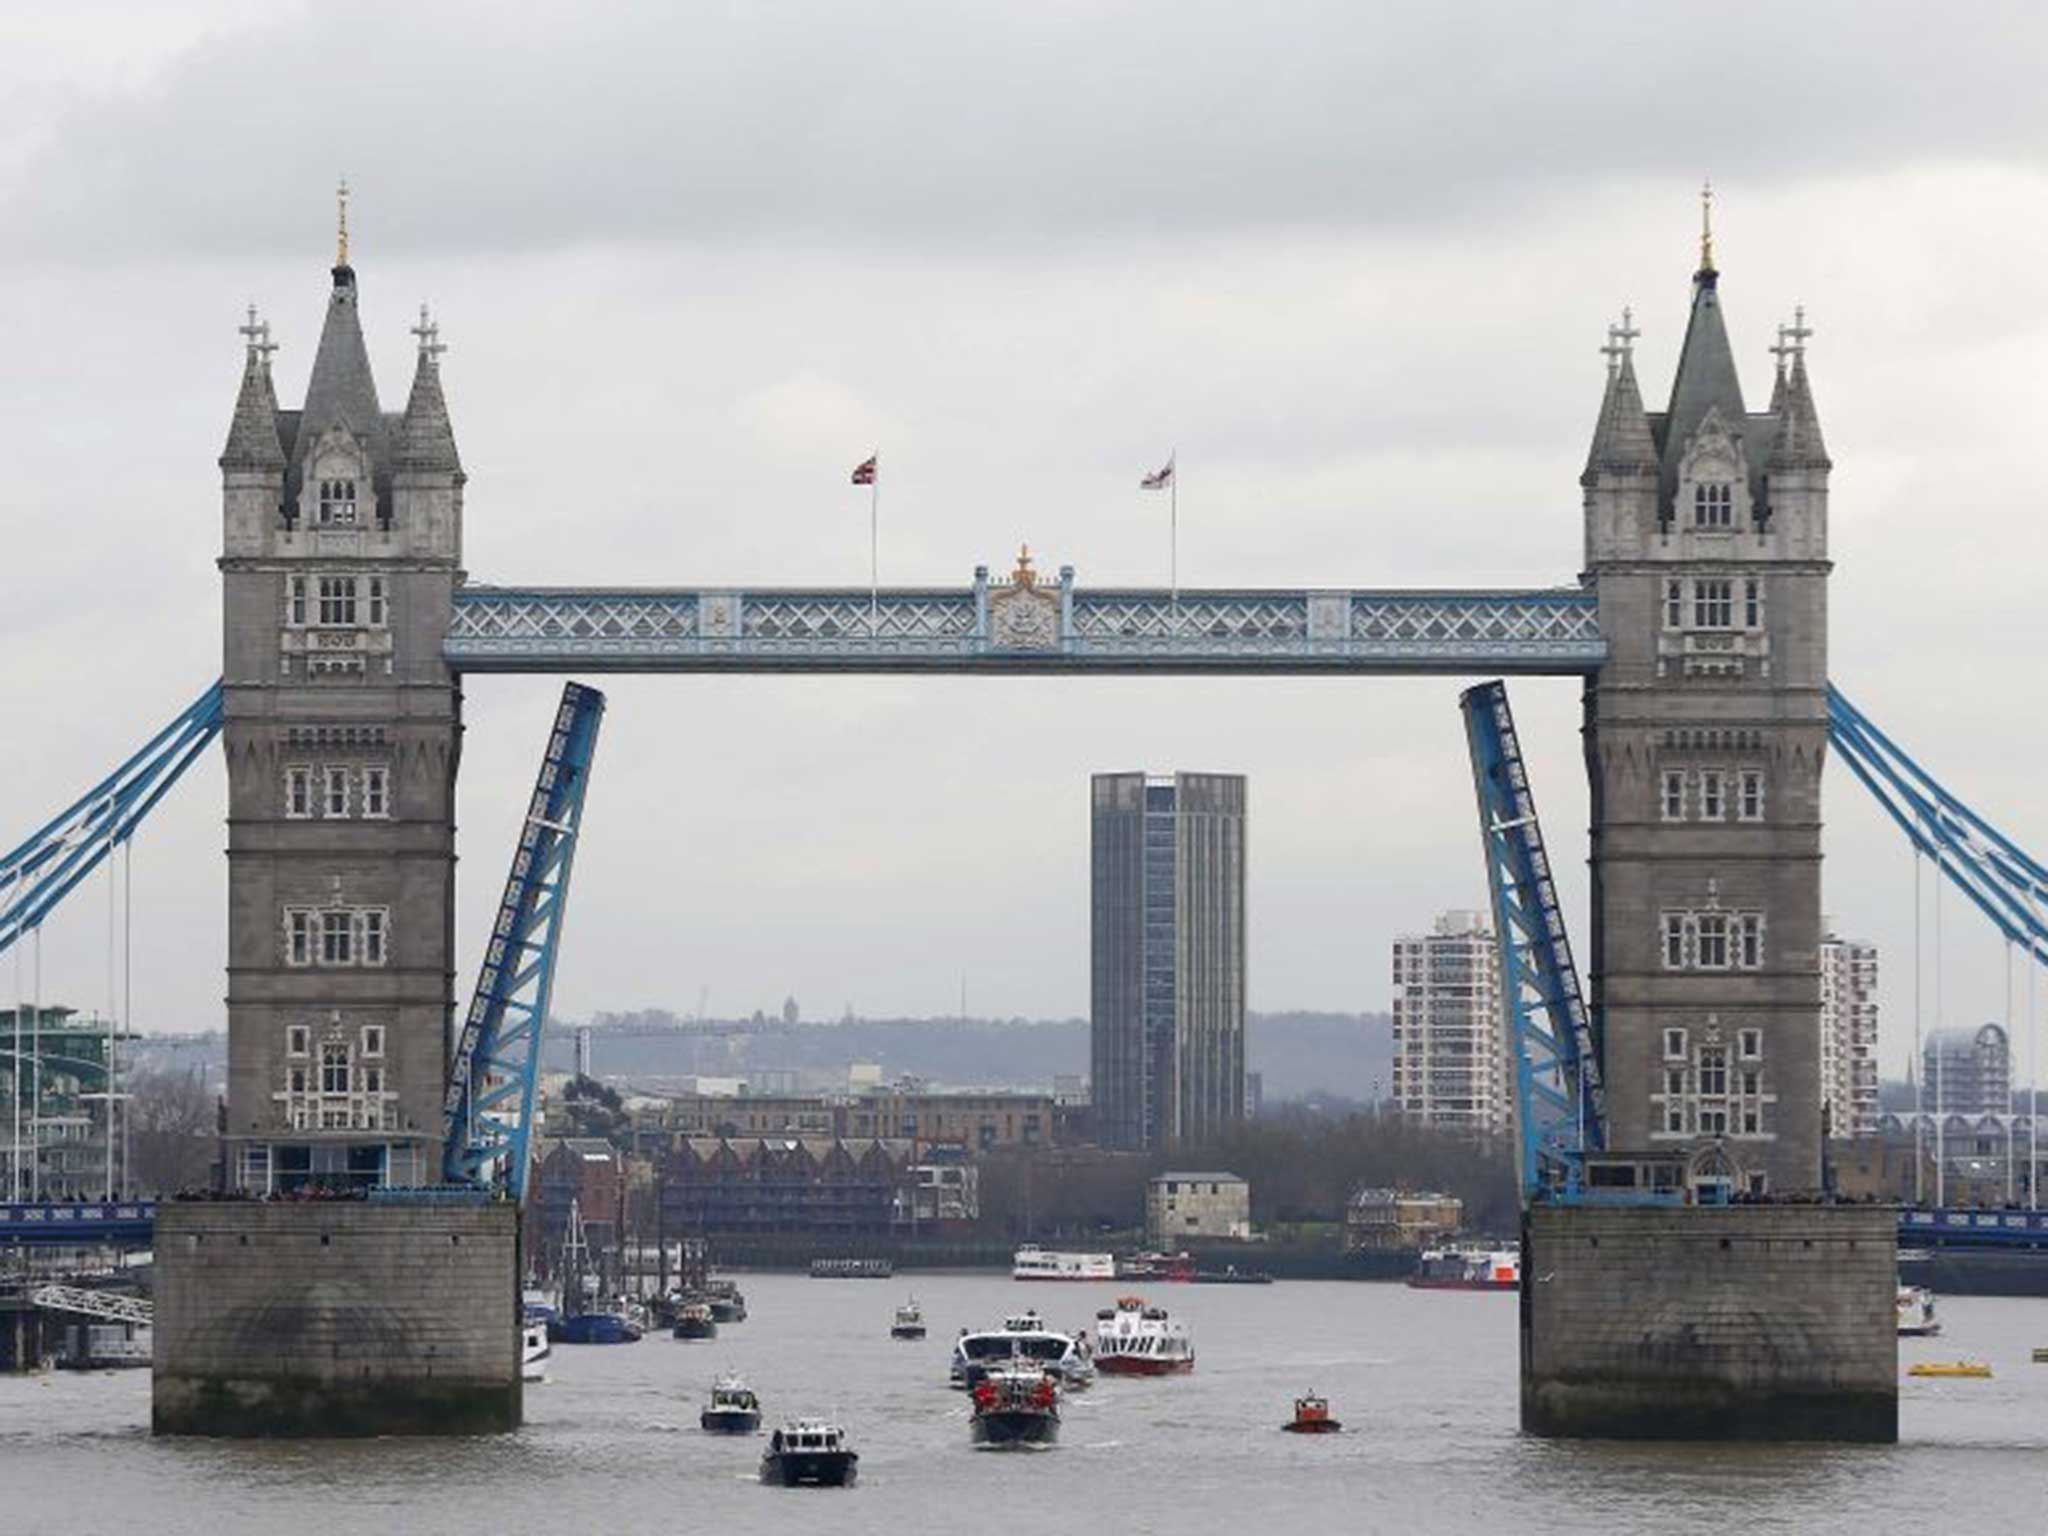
(1697, 622)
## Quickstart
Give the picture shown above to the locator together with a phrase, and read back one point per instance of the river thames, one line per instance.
(1424, 1381)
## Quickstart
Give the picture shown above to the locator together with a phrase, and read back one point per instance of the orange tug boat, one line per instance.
(1312, 1417)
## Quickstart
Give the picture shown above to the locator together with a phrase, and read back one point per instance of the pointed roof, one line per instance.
(1799, 444)
(1706, 372)
(252, 435)
(426, 440)
(341, 389)
(1621, 440)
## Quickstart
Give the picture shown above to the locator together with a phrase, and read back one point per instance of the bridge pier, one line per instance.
(1766, 1322)
(336, 1319)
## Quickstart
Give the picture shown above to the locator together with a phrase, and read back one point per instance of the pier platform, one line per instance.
(331, 1319)
(1767, 1322)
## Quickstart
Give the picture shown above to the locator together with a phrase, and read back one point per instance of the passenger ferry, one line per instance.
(1468, 1269)
(909, 1323)
(1034, 1263)
(1133, 1339)
(1023, 1339)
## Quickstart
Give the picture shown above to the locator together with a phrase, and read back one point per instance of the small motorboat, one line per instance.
(1973, 1368)
(2041, 1356)
(909, 1322)
(595, 1328)
(733, 1409)
(727, 1304)
(1312, 1417)
(534, 1350)
(809, 1453)
(1015, 1406)
(1915, 1307)
(693, 1321)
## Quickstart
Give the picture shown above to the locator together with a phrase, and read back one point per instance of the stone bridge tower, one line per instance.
(342, 541)
(1706, 542)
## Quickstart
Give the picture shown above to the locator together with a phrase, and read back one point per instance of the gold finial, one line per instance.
(1024, 576)
(341, 224)
(1707, 225)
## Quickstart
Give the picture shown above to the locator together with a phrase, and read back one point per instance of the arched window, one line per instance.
(337, 503)
(1713, 504)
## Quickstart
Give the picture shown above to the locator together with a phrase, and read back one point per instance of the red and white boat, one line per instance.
(1468, 1269)
(1133, 1339)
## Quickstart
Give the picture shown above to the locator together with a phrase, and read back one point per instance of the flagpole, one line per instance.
(1173, 526)
(874, 548)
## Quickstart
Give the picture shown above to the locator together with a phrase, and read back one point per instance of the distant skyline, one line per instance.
(1352, 265)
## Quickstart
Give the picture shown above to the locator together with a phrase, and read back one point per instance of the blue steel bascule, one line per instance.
(1553, 1040)
(496, 1067)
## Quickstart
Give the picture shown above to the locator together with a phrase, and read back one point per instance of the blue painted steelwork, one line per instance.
(1560, 1110)
(1967, 1227)
(47, 867)
(73, 1224)
(2001, 880)
(497, 1062)
(1022, 626)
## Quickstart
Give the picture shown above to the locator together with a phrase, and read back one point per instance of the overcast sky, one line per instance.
(1353, 261)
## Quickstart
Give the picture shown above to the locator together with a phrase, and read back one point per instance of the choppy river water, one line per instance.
(1425, 1382)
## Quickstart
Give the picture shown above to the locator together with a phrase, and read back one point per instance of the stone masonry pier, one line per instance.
(1710, 1323)
(336, 1318)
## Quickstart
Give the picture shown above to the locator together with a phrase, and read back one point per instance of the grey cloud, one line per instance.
(1020, 128)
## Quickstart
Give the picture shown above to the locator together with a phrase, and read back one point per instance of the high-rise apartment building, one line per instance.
(1167, 989)
(1848, 1035)
(1966, 1072)
(1451, 1062)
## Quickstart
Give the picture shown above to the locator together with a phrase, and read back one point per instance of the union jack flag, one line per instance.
(1158, 481)
(865, 471)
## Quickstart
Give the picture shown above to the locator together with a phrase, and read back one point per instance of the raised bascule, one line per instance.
(1658, 1105)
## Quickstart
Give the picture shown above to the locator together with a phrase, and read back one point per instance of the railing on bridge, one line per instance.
(1023, 627)
(1971, 1227)
(77, 1224)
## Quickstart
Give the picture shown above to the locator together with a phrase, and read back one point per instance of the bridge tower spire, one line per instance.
(341, 541)
(1706, 545)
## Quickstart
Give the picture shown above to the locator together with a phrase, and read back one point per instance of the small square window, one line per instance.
(297, 1039)
(1674, 1045)
(373, 1039)
(1752, 1043)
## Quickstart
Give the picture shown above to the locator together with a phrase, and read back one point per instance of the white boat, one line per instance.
(909, 1323)
(1915, 1305)
(534, 1350)
(1032, 1262)
(1133, 1339)
(1023, 1338)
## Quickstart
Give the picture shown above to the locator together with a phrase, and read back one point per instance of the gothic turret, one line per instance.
(1622, 444)
(427, 486)
(252, 462)
(252, 435)
(425, 438)
(1799, 445)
